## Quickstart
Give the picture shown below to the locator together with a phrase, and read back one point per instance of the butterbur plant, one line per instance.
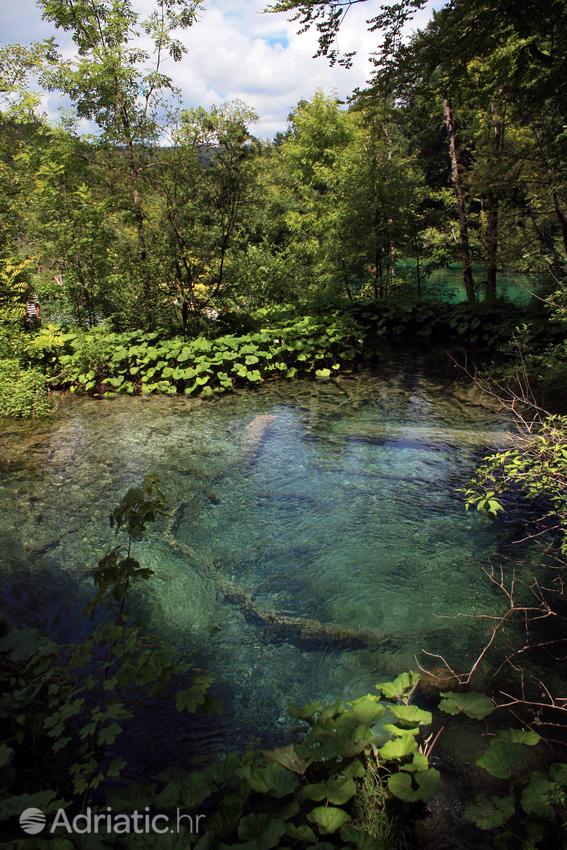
(105, 364)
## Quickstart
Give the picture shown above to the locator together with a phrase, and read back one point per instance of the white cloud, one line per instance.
(235, 51)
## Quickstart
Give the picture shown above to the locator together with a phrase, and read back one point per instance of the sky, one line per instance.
(236, 52)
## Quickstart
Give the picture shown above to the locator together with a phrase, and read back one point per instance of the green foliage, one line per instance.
(104, 363)
(132, 234)
(23, 392)
(420, 786)
(541, 797)
(139, 506)
(491, 812)
(328, 819)
(401, 687)
(506, 751)
(546, 793)
(258, 798)
(538, 469)
(478, 325)
(475, 705)
(311, 791)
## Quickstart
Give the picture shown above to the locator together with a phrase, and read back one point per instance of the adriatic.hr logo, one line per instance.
(139, 822)
(32, 821)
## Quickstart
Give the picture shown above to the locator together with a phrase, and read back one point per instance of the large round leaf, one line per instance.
(328, 818)
(428, 783)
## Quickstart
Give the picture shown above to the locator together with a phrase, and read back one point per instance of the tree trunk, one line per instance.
(562, 219)
(491, 245)
(147, 305)
(376, 213)
(417, 258)
(142, 249)
(492, 205)
(449, 122)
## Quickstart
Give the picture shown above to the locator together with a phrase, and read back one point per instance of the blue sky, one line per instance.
(235, 51)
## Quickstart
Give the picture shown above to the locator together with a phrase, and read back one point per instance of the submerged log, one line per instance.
(254, 436)
(303, 630)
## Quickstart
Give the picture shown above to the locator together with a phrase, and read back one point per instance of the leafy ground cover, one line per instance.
(105, 363)
(276, 346)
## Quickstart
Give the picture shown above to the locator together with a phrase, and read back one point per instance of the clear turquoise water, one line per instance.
(447, 285)
(335, 502)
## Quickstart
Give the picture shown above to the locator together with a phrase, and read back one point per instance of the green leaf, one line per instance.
(418, 762)
(428, 785)
(47, 801)
(304, 712)
(328, 819)
(398, 748)
(506, 751)
(288, 758)
(558, 773)
(411, 714)
(116, 767)
(262, 829)
(108, 734)
(355, 769)
(490, 813)
(323, 374)
(190, 699)
(338, 790)
(399, 732)
(351, 835)
(541, 796)
(301, 833)
(402, 683)
(367, 709)
(272, 779)
(473, 704)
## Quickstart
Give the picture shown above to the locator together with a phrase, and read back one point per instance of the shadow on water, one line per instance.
(36, 593)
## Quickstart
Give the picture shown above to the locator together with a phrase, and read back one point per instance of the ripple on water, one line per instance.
(338, 504)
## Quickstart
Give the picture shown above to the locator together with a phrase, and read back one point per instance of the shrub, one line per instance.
(23, 392)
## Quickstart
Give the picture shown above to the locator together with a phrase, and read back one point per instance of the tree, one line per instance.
(107, 85)
(328, 15)
(504, 60)
(70, 226)
(204, 183)
(380, 191)
(319, 137)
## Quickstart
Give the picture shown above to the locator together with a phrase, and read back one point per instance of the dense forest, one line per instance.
(150, 249)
